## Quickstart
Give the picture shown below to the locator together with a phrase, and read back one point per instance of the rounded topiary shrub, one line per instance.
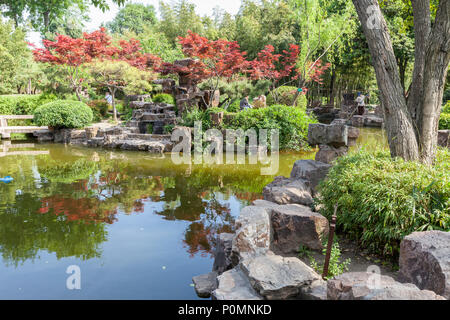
(164, 97)
(63, 114)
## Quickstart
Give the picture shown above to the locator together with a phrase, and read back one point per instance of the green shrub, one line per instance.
(292, 123)
(99, 109)
(190, 117)
(285, 95)
(444, 121)
(23, 104)
(381, 200)
(163, 97)
(63, 114)
(446, 107)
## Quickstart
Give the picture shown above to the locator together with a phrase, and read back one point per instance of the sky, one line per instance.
(203, 7)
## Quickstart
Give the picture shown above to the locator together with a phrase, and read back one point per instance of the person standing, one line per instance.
(360, 103)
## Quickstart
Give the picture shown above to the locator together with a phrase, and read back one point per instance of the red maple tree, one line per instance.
(72, 53)
(211, 60)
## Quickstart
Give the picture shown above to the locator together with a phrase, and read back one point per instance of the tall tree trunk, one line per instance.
(399, 126)
(46, 19)
(437, 59)
(422, 29)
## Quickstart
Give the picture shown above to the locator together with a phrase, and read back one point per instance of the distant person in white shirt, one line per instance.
(108, 98)
(360, 103)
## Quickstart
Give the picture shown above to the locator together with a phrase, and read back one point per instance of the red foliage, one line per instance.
(219, 58)
(96, 45)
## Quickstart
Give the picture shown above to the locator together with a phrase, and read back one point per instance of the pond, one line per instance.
(137, 226)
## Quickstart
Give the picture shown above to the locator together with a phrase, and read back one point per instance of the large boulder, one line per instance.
(276, 277)
(370, 286)
(253, 233)
(283, 191)
(327, 154)
(234, 285)
(335, 135)
(425, 261)
(222, 253)
(295, 225)
(311, 171)
(205, 284)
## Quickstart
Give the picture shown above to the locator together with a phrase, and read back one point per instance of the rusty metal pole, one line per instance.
(330, 243)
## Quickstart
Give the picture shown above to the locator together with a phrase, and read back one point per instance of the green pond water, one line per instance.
(137, 225)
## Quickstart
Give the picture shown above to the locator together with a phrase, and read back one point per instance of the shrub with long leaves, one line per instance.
(381, 199)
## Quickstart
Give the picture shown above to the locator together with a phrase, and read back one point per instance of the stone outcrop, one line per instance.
(294, 225)
(328, 153)
(335, 135)
(276, 277)
(222, 253)
(311, 171)
(333, 139)
(234, 285)
(151, 115)
(205, 284)
(369, 286)
(284, 190)
(425, 261)
(253, 233)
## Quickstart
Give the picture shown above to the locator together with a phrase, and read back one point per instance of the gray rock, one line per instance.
(327, 154)
(317, 290)
(234, 285)
(425, 261)
(276, 277)
(444, 138)
(222, 253)
(265, 203)
(205, 284)
(353, 132)
(357, 121)
(370, 286)
(253, 233)
(284, 191)
(371, 120)
(295, 224)
(311, 171)
(335, 135)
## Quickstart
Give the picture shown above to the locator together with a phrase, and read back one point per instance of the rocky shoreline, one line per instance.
(256, 262)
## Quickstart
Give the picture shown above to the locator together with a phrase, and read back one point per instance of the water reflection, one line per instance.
(61, 203)
(87, 205)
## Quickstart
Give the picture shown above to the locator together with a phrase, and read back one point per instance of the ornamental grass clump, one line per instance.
(381, 199)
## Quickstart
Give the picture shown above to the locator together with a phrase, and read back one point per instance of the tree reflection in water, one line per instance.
(62, 203)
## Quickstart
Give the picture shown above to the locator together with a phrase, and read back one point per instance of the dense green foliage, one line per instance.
(444, 120)
(99, 109)
(163, 97)
(286, 95)
(292, 123)
(381, 200)
(63, 114)
(23, 104)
